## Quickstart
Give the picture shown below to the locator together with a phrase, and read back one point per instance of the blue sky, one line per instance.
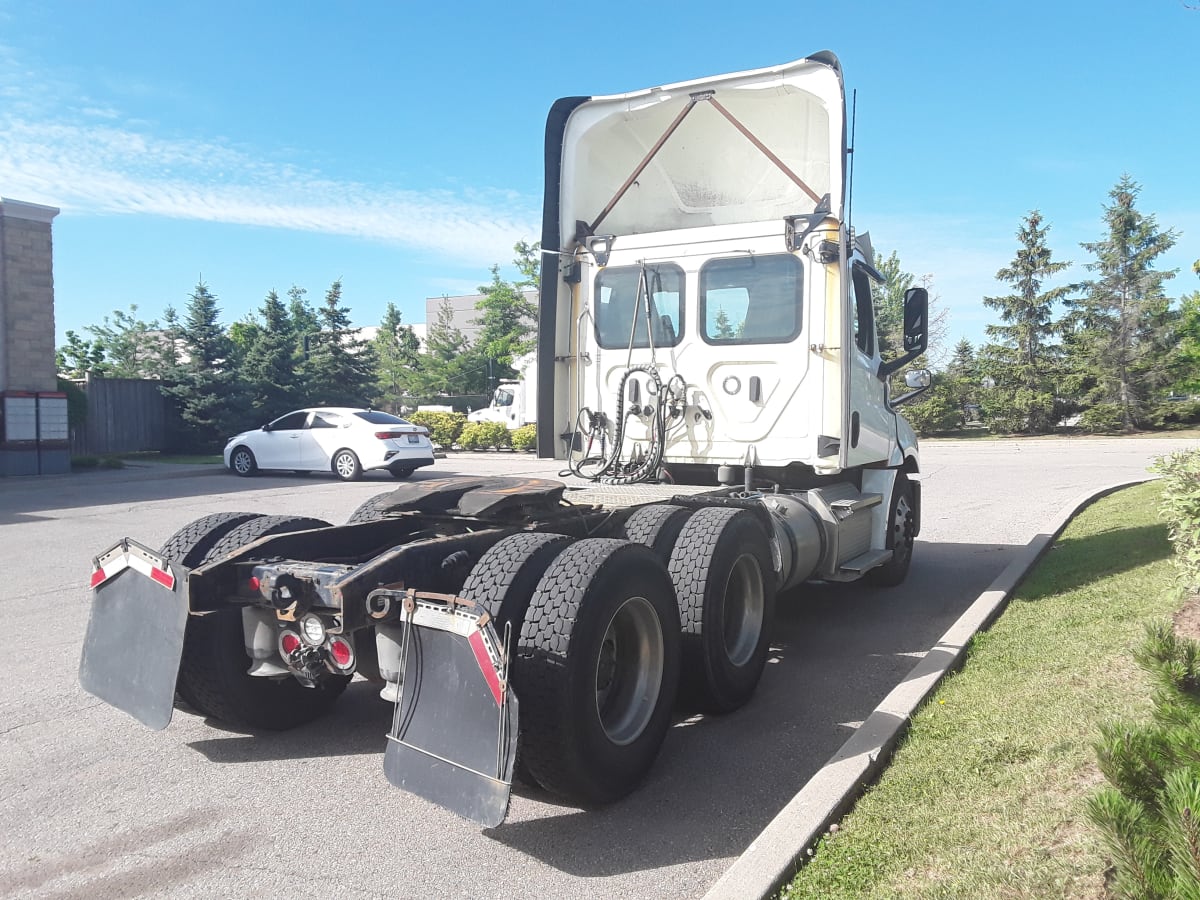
(398, 146)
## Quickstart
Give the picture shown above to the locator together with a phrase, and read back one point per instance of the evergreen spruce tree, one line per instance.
(269, 365)
(448, 360)
(1026, 359)
(1120, 327)
(339, 369)
(207, 391)
(398, 360)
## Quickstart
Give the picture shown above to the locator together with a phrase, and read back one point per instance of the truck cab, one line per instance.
(702, 263)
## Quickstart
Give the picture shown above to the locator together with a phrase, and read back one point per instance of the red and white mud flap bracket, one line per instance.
(134, 637)
(454, 735)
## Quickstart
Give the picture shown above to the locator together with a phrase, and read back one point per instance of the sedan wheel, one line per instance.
(242, 462)
(346, 465)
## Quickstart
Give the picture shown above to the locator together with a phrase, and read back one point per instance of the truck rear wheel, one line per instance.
(259, 527)
(503, 582)
(213, 674)
(504, 579)
(725, 582)
(370, 510)
(188, 547)
(657, 526)
(597, 669)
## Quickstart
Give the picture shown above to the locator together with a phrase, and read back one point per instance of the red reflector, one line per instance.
(290, 643)
(341, 653)
(97, 577)
(163, 578)
(255, 584)
(475, 640)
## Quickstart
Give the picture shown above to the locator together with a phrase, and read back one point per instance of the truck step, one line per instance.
(854, 504)
(863, 562)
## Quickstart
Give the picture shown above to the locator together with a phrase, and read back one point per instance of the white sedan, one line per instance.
(344, 441)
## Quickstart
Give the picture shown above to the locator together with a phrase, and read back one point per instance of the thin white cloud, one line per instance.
(109, 170)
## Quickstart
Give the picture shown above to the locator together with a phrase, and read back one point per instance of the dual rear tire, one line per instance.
(213, 672)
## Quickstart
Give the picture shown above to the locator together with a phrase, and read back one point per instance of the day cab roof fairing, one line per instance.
(728, 149)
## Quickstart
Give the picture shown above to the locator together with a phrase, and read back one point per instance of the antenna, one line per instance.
(850, 186)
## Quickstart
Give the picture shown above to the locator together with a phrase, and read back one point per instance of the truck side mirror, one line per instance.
(916, 315)
(916, 331)
(917, 379)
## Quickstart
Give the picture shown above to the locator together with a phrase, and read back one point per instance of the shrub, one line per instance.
(444, 427)
(1174, 413)
(1103, 417)
(1181, 508)
(484, 435)
(935, 412)
(525, 437)
(1148, 817)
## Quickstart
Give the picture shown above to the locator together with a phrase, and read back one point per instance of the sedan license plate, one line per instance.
(414, 439)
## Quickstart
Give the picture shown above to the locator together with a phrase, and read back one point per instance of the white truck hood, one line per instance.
(716, 166)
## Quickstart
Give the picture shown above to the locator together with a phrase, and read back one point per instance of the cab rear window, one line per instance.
(381, 418)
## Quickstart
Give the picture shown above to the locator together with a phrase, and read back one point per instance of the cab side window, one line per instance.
(863, 311)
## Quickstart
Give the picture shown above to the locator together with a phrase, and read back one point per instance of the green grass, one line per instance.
(986, 794)
(177, 459)
(983, 434)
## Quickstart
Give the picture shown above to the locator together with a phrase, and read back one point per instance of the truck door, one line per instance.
(872, 423)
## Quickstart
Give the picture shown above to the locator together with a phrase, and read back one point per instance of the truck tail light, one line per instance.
(289, 643)
(341, 654)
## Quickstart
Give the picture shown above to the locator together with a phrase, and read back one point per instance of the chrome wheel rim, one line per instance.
(344, 464)
(241, 462)
(745, 608)
(629, 671)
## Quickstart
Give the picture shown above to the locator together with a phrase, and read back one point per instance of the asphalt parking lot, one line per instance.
(93, 804)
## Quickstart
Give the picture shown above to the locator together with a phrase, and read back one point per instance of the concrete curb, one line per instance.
(776, 854)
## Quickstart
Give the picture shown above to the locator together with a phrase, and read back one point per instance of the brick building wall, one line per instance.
(34, 429)
(26, 297)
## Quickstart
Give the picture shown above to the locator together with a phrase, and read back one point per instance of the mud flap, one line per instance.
(454, 736)
(134, 637)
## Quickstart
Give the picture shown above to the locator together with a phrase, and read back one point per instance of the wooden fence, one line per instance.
(125, 415)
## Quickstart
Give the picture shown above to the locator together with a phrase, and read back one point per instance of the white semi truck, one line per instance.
(514, 402)
(708, 355)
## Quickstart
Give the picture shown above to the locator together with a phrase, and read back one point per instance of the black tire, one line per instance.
(370, 510)
(504, 579)
(258, 527)
(503, 582)
(189, 546)
(726, 585)
(214, 669)
(213, 674)
(597, 669)
(657, 527)
(242, 462)
(345, 465)
(401, 472)
(901, 537)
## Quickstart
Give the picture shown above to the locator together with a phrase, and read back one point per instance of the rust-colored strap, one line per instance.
(645, 162)
(766, 152)
(692, 101)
